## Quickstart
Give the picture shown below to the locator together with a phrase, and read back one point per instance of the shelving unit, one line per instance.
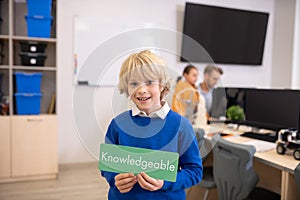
(4, 37)
(28, 143)
(34, 38)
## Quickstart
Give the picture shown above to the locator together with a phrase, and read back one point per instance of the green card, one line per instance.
(122, 159)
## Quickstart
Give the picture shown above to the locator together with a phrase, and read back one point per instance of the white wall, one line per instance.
(167, 13)
(296, 53)
(283, 42)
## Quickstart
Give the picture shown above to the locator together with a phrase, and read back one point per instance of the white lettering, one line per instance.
(103, 156)
(123, 160)
(138, 162)
(172, 168)
(143, 164)
(162, 165)
(131, 161)
(110, 158)
(128, 157)
(150, 164)
(116, 159)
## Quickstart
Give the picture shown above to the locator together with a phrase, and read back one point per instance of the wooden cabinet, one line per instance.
(5, 153)
(34, 145)
(28, 147)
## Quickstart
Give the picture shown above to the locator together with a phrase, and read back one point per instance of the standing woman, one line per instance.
(186, 97)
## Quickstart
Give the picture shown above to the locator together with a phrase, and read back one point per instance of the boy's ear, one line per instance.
(164, 91)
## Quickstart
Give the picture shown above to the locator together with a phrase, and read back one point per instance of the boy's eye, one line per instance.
(133, 84)
(149, 82)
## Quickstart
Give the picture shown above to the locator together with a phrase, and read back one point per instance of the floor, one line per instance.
(75, 182)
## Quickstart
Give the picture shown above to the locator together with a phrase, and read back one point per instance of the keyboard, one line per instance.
(258, 136)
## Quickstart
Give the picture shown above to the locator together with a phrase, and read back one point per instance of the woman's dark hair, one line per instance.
(178, 79)
(188, 68)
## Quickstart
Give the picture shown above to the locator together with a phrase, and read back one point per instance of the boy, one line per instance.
(152, 125)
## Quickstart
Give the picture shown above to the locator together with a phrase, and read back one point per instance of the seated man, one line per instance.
(212, 75)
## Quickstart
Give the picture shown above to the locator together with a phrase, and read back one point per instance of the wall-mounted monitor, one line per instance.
(230, 36)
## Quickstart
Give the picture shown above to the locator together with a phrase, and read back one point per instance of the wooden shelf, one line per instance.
(4, 117)
(45, 68)
(4, 37)
(34, 39)
(4, 67)
(33, 116)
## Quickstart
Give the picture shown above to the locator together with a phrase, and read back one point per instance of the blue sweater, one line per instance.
(174, 134)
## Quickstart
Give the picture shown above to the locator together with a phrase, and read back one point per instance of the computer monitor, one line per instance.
(225, 97)
(273, 109)
(219, 102)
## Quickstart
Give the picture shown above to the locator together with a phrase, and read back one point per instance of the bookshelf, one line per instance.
(28, 143)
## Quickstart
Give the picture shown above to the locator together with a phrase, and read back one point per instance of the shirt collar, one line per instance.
(210, 90)
(161, 113)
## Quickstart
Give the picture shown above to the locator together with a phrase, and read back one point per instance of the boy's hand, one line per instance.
(148, 183)
(125, 182)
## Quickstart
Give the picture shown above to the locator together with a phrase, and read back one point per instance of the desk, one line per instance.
(276, 172)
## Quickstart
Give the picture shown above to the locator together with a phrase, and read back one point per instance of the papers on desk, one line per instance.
(261, 146)
(213, 129)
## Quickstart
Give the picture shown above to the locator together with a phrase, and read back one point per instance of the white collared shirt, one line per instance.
(208, 96)
(161, 113)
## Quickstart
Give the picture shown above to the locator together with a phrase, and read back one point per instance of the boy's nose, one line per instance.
(142, 89)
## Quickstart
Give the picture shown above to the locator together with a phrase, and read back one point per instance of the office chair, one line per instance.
(207, 181)
(234, 173)
(297, 177)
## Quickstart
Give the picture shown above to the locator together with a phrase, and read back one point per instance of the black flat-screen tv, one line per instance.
(230, 36)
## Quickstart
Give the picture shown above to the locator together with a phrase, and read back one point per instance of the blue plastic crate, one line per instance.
(28, 82)
(38, 26)
(39, 7)
(28, 103)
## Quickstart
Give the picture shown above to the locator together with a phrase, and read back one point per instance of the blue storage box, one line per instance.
(38, 26)
(28, 82)
(39, 7)
(28, 103)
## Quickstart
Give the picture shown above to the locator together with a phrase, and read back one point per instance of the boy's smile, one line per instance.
(143, 99)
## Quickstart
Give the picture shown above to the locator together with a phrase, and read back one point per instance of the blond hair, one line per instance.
(144, 65)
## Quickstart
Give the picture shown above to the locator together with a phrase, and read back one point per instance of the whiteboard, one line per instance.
(100, 47)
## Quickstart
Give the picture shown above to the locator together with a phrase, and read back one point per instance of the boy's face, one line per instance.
(145, 94)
